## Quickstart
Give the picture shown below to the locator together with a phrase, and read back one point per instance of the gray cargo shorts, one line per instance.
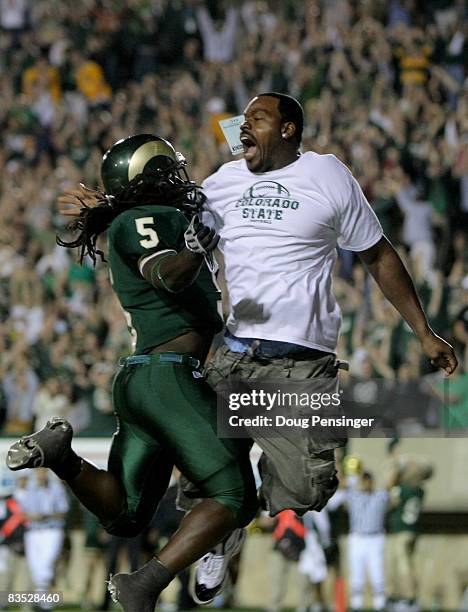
(299, 475)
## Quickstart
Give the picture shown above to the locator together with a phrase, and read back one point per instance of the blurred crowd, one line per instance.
(383, 85)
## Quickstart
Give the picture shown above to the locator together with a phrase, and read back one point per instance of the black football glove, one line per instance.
(200, 238)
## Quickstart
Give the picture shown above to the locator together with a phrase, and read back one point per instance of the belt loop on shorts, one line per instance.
(288, 364)
(253, 348)
(236, 362)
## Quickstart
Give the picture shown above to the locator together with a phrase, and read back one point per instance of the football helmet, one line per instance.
(144, 156)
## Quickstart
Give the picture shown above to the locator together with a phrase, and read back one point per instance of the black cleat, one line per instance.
(125, 589)
(139, 591)
(48, 447)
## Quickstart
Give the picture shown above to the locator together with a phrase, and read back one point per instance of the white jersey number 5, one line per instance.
(151, 237)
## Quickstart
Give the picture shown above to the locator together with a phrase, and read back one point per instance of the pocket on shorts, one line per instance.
(213, 375)
(323, 367)
(223, 365)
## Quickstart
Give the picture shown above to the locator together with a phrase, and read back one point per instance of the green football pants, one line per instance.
(167, 417)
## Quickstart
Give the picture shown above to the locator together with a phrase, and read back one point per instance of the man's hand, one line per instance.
(439, 352)
(200, 238)
(72, 201)
(385, 265)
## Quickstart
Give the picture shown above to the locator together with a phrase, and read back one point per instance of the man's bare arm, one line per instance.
(385, 265)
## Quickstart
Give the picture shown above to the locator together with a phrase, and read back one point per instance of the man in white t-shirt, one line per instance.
(280, 215)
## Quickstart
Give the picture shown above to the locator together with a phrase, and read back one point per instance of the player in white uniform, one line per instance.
(281, 214)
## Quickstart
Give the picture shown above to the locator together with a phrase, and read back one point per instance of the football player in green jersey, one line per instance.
(404, 521)
(166, 412)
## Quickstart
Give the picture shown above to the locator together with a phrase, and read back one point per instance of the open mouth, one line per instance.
(250, 146)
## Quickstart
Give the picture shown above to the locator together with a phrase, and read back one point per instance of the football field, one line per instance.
(165, 609)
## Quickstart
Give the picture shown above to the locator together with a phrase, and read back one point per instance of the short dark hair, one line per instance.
(290, 109)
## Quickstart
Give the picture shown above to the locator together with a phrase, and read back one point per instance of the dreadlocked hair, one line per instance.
(162, 188)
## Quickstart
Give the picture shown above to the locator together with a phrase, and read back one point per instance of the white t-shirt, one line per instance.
(279, 231)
